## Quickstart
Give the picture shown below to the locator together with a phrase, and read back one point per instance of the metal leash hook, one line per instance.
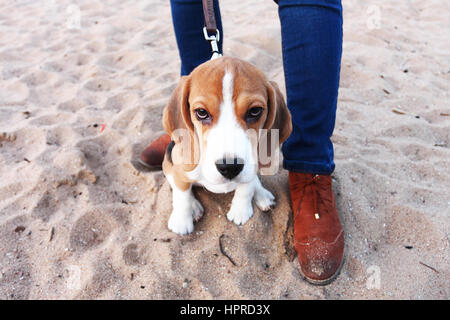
(213, 39)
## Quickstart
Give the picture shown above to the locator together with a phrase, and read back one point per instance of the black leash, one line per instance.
(210, 30)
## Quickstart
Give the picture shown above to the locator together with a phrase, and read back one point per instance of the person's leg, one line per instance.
(311, 33)
(312, 45)
(188, 22)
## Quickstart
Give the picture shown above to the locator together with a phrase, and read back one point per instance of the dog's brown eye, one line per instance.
(253, 114)
(202, 114)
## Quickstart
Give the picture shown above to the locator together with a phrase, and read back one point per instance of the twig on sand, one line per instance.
(428, 266)
(223, 251)
(399, 111)
(52, 234)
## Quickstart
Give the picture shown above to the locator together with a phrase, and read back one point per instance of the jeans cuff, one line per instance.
(308, 167)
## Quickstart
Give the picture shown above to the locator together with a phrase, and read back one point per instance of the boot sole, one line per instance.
(325, 281)
(148, 166)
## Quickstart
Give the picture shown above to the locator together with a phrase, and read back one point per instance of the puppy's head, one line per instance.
(218, 112)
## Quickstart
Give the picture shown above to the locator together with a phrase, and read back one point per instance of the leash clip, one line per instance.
(213, 39)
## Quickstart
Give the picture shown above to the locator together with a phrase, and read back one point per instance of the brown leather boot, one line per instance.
(153, 156)
(318, 233)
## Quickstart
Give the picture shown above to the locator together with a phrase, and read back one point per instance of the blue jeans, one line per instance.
(311, 32)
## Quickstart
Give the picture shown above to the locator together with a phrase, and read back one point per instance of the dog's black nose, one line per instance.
(230, 167)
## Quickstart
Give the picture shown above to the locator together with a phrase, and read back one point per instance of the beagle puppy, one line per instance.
(217, 118)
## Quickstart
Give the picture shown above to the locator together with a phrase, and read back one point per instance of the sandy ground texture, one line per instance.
(82, 89)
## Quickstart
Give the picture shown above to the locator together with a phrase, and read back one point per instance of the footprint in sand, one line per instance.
(121, 101)
(13, 92)
(10, 190)
(38, 78)
(99, 85)
(72, 105)
(89, 231)
(46, 206)
(133, 255)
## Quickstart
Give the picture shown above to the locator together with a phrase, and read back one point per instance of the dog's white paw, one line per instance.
(197, 210)
(264, 199)
(240, 212)
(181, 223)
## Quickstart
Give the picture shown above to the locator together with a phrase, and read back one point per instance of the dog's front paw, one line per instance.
(264, 199)
(181, 223)
(240, 212)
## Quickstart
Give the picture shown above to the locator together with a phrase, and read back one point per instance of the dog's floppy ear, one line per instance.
(176, 114)
(178, 124)
(278, 116)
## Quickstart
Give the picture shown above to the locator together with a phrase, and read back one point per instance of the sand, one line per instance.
(80, 98)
